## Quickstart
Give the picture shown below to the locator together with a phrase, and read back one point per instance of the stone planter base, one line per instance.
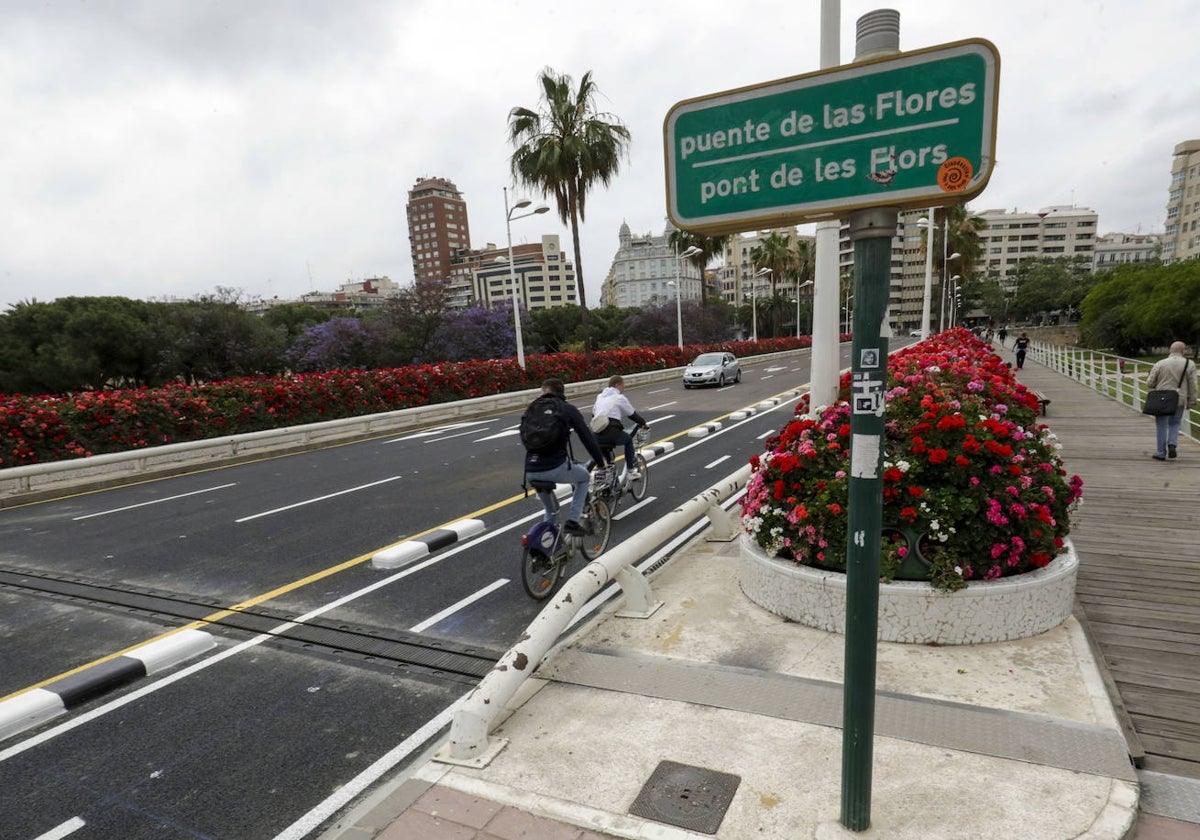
(914, 612)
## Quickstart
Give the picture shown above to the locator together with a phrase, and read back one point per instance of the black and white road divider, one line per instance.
(401, 554)
(28, 709)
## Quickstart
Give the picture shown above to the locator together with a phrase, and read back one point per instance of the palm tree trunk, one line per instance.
(583, 310)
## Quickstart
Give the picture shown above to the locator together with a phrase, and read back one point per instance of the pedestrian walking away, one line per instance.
(1003, 334)
(1178, 373)
(546, 434)
(1020, 347)
(612, 404)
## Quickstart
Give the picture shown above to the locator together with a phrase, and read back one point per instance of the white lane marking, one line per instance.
(318, 499)
(720, 460)
(453, 608)
(69, 827)
(659, 419)
(768, 376)
(505, 433)
(658, 391)
(439, 430)
(775, 368)
(153, 502)
(631, 509)
(450, 437)
(661, 406)
(767, 433)
(308, 823)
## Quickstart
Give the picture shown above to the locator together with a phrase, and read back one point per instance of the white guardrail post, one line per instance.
(475, 718)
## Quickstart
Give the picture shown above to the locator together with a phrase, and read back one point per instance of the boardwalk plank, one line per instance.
(1137, 535)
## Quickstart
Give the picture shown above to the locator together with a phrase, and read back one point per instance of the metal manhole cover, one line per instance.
(688, 797)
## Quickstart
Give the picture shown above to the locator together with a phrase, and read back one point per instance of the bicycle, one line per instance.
(615, 490)
(546, 550)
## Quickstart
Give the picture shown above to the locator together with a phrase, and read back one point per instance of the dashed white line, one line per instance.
(69, 827)
(720, 460)
(153, 502)
(318, 499)
(453, 608)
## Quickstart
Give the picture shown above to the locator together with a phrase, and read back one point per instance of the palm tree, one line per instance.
(786, 261)
(564, 148)
(708, 247)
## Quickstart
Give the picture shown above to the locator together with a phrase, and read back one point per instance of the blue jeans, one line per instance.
(1166, 429)
(568, 472)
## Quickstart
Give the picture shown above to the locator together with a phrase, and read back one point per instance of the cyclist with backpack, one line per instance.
(546, 431)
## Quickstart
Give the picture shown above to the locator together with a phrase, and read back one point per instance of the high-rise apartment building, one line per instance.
(1182, 238)
(437, 228)
(543, 276)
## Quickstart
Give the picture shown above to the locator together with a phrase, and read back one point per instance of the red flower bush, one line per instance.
(39, 429)
(973, 485)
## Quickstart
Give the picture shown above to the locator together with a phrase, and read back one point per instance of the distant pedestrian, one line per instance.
(1173, 372)
(1020, 347)
(1003, 335)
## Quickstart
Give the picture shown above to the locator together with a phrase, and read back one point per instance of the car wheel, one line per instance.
(721, 381)
(687, 387)
(738, 378)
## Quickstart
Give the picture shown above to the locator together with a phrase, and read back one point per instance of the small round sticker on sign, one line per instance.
(955, 174)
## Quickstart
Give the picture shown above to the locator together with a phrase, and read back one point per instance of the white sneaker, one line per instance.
(633, 475)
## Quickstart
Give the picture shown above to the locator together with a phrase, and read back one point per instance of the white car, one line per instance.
(915, 334)
(712, 369)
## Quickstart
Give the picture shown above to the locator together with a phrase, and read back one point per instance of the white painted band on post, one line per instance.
(28, 710)
(166, 653)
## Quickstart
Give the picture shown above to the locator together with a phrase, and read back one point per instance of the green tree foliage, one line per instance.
(565, 147)
(709, 247)
(208, 340)
(292, 319)
(1048, 285)
(554, 329)
(1137, 308)
(77, 343)
(405, 331)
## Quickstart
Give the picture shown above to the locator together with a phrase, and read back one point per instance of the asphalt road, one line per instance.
(327, 671)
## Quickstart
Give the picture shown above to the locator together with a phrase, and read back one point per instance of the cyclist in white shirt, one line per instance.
(613, 404)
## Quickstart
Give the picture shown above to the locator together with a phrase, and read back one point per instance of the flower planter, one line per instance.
(914, 612)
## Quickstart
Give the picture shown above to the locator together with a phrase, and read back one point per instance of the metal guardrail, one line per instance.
(1117, 377)
(476, 716)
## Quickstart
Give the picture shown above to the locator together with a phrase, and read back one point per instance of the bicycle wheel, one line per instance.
(539, 573)
(597, 522)
(637, 487)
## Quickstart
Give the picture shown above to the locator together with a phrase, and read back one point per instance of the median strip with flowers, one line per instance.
(45, 428)
(973, 486)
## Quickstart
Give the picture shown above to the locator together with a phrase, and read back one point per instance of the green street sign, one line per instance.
(914, 129)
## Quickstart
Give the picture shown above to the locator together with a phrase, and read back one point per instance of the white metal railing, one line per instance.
(1116, 377)
(476, 716)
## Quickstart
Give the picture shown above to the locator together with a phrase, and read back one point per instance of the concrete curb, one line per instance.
(704, 431)
(31, 708)
(409, 551)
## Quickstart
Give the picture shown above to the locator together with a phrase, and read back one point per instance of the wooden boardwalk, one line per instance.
(1137, 535)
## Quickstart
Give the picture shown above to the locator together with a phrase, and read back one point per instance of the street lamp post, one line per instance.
(800, 286)
(512, 271)
(955, 299)
(929, 224)
(762, 272)
(691, 251)
(946, 268)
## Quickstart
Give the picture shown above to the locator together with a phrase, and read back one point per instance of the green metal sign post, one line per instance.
(913, 129)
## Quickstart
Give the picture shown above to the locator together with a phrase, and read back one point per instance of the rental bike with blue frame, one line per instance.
(546, 548)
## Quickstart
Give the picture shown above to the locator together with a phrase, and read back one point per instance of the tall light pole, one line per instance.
(762, 272)
(799, 286)
(929, 224)
(945, 268)
(691, 251)
(512, 272)
(954, 301)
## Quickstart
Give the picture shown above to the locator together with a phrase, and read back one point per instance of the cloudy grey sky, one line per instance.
(162, 148)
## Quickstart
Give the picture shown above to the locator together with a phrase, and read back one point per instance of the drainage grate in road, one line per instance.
(693, 798)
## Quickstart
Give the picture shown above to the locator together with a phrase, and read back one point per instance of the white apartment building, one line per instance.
(1182, 238)
(736, 283)
(1114, 249)
(644, 272)
(1050, 233)
(544, 277)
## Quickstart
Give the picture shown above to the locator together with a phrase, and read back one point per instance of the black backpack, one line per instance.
(544, 426)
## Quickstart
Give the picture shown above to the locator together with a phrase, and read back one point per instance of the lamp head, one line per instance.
(762, 272)
(522, 203)
(542, 208)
